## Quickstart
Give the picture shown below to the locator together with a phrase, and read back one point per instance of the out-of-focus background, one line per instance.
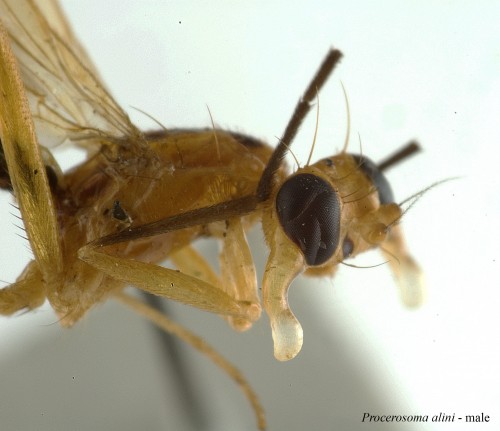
(424, 70)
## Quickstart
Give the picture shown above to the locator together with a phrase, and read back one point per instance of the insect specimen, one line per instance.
(143, 197)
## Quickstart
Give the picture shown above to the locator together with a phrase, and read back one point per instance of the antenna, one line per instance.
(301, 110)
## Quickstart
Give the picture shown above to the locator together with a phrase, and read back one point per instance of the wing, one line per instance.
(66, 97)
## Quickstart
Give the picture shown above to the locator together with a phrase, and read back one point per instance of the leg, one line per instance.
(164, 323)
(168, 283)
(28, 292)
(239, 279)
(192, 263)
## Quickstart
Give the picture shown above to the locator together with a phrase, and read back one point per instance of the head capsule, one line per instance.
(326, 212)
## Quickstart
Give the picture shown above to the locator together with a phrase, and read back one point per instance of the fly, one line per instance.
(143, 197)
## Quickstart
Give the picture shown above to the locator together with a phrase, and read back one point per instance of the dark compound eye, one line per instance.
(309, 212)
(379, 180)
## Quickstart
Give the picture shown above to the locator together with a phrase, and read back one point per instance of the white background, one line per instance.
(424, 70)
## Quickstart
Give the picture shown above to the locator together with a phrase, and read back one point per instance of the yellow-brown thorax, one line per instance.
(183, 170)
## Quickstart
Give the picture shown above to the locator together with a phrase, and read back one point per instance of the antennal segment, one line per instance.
(301, 111)
(409, 149)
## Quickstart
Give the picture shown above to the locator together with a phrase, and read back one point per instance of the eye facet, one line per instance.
(376, 176)
(309, 212)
